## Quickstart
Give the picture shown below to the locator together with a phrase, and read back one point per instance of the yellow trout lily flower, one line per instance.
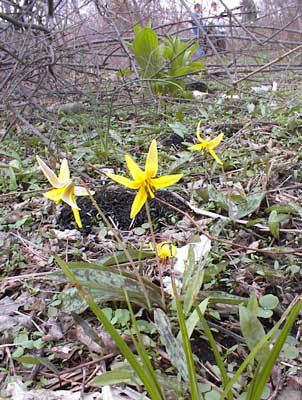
(144, 181)
(207, 144)
(165, 250)
(64, 187)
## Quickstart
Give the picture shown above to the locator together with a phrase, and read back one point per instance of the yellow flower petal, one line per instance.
(123, 181)
(137, 174)
(64, 174)
(214, 155)
(216, 141)
(77, 218)
(166, 180)
(166, 249)
(138, 202)
(198, 146)
(54, 195)
(68, 196)
(152, 160)
(50, 175)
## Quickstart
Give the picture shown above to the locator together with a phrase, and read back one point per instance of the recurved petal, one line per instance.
(137, 174)
(138, 202)
(215, 142)
(152, 160)
(166, 180)
(64, 174)
(50, 175)
(198, 132)
(68, 196)
(81, 191)
(123, 181)
(214, 155)
(198, 146)
(54, 195)
(77, 218)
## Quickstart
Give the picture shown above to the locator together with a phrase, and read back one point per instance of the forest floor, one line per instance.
(249, 209)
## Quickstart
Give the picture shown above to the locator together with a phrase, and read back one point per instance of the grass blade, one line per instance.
(217, 355)
(187, 348)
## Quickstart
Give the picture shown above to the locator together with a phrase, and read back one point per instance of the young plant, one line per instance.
(167, 62)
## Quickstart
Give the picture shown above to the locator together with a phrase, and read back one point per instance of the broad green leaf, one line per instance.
(179, 129)
(120, 257)
(245, 207)
(108, 284)
(173, 346)
(274, 224)
(269, 301)
(115, 377)
(35, 360)
(251, 327)
(147, 52)
(12, 180)
(262, 313)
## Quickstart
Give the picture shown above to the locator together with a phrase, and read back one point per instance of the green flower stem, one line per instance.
(120, 242)
(158, 262)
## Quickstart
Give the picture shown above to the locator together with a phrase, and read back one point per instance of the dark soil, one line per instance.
(116, 205)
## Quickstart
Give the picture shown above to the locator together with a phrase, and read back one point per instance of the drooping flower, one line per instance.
(65, 190)
(144, 181)
(165, 250)
(207, 144)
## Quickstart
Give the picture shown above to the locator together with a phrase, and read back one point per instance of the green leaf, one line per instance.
(108, 284)
(115, 377)
(147, 379)
(257, 386)
(121, 316)
(139, 231)
(12, 180)
(245, 207)
(173, 346)
(35, 360)
(120, 257)
(147, 52)
(261, 313)
(273, 224)
(269, 301)
(290, 314)
(193, 319)
(251, 327)
(194, 271)
(179, 129)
